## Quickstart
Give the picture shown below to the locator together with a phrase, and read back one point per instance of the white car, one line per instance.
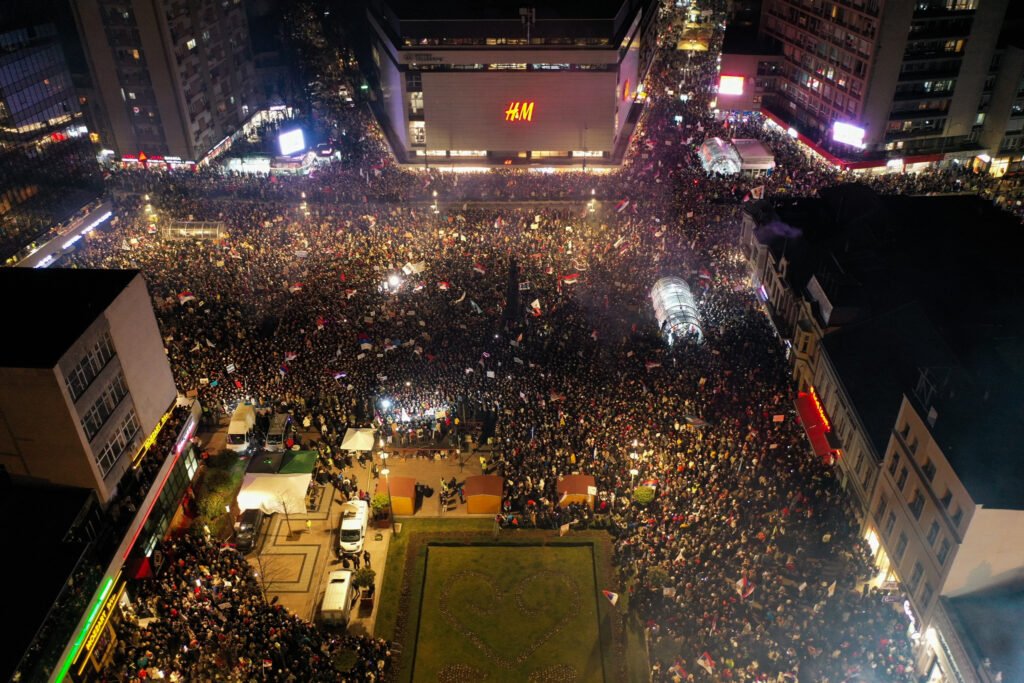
(355, 516)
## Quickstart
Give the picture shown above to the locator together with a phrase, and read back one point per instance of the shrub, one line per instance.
(363, 577)
(379, 503)
(643, 495)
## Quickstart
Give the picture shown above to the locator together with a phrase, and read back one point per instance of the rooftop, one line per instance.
(990, 623)
(45, 559)
(910, 288)
(52, 308)
(504, 9)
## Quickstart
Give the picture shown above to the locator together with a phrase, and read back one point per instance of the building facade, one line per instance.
(922, 436)
(173, 78)
(87, 379)
(47, 165)
(907, 75)
(464, 83)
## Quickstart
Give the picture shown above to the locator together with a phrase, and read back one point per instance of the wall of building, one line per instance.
(963, 110)
(140, 348)
(745, 66)
(39, 436)
(992, 553)
(1009, 80)
(880, 84)
(571, 110)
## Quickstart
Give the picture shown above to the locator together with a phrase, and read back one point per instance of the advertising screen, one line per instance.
(730, 85)
(517, 111)
(291, 142)
(848, 134)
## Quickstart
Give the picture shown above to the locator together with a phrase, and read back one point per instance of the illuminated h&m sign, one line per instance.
(519, 111)
(730, 85)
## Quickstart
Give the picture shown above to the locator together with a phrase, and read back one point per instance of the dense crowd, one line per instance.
(207, 618)
(345, 295)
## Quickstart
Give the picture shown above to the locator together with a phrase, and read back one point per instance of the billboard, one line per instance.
(291, 142)
(519, 111)
(848, 134)
(730, 85)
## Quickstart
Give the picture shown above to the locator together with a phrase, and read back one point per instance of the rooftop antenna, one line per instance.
(528, 16)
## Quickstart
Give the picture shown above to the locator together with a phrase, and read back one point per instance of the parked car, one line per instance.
(339, 598)
(355, 516)
(247, 529)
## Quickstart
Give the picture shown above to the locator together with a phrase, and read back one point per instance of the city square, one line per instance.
(410, 404)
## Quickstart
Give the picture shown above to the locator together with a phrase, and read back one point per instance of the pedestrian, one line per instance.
(366, 558)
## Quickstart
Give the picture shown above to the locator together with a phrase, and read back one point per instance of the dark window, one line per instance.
(883, 505)
(890, 523)
(933, 533)
(929, 469)
(926, 595)
(958, 517)
(902, 479)
(915, 576)
(917, 505)
(894, 464)
(946, 499)
(944, 551)
(901, 548)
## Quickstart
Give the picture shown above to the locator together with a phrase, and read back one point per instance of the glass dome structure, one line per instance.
(676, 310)
(718, 156)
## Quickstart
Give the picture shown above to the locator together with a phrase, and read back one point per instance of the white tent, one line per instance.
(754, 155)
(274, 492)
(358, 439)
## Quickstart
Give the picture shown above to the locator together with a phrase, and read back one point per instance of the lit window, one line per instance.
(191, 44)
(135, 54)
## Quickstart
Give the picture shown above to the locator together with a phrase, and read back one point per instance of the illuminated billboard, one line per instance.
(517, 112)
(848, 134)
(730, 85)
(291, 142)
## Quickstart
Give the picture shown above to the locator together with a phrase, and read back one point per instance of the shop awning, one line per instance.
(819, 433)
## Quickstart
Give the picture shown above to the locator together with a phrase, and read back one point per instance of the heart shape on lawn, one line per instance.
(488, 598)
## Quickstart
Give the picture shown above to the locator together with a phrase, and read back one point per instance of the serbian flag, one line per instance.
(535, 305)
(651, 364)
(290, 356)
(705, 274)
(555, 396)
(744, 588)
(612, 597)
(571, 278)
(705, 662)
(320, 322)
(267, 663)
(296, 287)
(678, 670)
(283, 369)
(624, 248)
(479, 268)
(185, 297)
(443, 285)
(349, 293)
(621, 206)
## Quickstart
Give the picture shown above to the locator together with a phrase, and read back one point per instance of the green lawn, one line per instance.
(509, 613)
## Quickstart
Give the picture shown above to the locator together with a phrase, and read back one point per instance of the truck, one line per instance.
(355, 516)
(339, 597)
(241, 429)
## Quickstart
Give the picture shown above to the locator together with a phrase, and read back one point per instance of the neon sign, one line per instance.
(821, 410)
(519, 111)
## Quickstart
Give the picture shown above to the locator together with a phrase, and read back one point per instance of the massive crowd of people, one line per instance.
(346, 295)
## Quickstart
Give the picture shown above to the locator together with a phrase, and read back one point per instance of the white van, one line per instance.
(339, 598)
(355, 515)
(279, 432)
(241, 428)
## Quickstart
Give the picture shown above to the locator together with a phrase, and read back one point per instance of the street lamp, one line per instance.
(387, 485)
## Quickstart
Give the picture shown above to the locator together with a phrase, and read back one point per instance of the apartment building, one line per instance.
(173, 78)
(905, 77)
(83, 376)
(904, 345)
(48, 168)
